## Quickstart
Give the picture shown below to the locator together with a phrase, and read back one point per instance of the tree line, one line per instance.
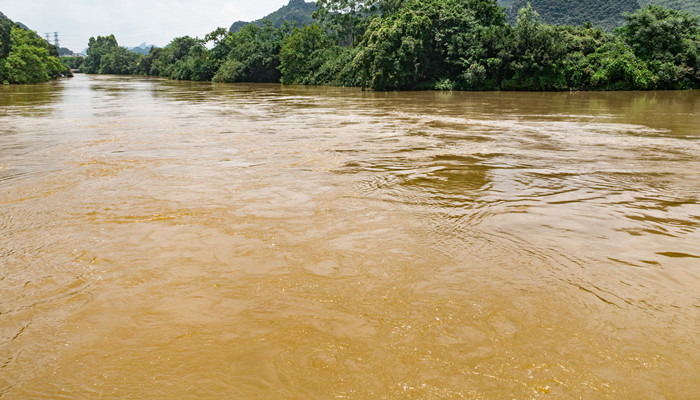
(429, 44)
(25, 57)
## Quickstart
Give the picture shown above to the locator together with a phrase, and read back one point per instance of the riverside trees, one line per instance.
(443, 44)
(25, 57)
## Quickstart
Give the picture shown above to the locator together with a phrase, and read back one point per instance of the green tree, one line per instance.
(119, 61)
(28, 60)
(659, 33)
(72, 62)
(669, 41)
(435, 44)
(614, 66)
(349, 19)
(304, 53)
(537, 55)
(176, 60)
(254, 54)
(396, 51)
(5, 47)
(97, 48)
(221, 46)
(105, 56)
(580, 43)
(196, 65)
(471, 37)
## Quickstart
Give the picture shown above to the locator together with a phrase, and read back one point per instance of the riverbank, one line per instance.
(433, 45)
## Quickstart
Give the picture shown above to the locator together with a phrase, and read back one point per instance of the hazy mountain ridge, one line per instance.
(143, 48)
(64, 51)
(297, 11)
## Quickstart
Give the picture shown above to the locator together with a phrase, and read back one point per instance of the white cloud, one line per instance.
(132, 21)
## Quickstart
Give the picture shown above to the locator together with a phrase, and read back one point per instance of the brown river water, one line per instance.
(187, 240)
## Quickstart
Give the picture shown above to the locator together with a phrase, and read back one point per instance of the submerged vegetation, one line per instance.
(430, 44)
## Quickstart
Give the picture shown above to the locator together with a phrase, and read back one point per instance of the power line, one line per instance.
(55, 38)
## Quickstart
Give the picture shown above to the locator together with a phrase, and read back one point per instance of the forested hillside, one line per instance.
(296, 12)
(606, 14)
(692, 6)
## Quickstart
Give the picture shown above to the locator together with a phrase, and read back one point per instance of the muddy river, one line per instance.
(174, 240)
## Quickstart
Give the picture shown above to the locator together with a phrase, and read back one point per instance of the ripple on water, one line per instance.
(280, 242)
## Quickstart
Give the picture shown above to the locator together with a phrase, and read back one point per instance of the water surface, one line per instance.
(194, 240)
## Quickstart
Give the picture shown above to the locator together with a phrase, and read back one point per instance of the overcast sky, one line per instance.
(132, 21)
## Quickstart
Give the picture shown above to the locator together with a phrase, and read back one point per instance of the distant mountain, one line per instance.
(143, 48)
(606, 14)
(63, 51)
(504, 3)
(297, 11)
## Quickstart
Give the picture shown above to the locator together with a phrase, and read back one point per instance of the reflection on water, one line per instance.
(29, 100)
(197, 240)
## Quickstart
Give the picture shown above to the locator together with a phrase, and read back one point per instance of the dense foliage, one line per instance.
(431, 44)
(668, 41)
(252, 54)
(72, 62)
(25, 57)
(105, 56)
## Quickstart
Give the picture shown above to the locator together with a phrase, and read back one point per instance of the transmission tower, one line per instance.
(55, 39)
(47, 37)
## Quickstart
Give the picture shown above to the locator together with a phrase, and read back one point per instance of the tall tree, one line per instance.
(445, 43)
(97, 48)
(538, 54)
(669, 41)
(254, 54)
(349, 19)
